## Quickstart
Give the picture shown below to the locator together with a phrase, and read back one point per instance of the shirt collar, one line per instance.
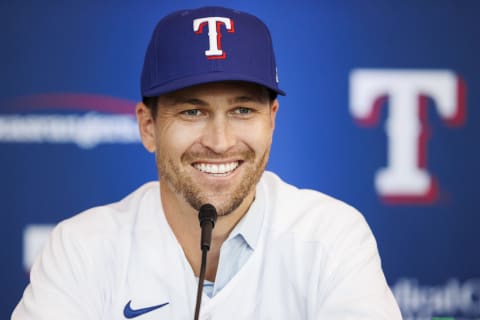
(248, 228)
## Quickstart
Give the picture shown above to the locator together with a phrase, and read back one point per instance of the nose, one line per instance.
(218, 135)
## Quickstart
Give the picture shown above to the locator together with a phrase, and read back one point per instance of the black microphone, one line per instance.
(207, 216)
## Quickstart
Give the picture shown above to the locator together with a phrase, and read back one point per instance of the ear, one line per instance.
(273, 112)
(146, 126)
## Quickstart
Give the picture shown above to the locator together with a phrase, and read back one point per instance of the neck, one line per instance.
(183, 220)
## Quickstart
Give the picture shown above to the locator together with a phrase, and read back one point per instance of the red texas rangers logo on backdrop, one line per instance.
(406, 179)
(214, 34)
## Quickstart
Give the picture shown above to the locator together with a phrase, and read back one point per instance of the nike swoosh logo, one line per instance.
(130, 313)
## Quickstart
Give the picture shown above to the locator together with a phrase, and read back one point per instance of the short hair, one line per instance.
(151, 103)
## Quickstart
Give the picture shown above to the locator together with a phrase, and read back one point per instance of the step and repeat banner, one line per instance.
(382, 111)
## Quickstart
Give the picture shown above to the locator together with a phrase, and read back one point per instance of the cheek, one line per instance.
(175, 139)
(258, 136)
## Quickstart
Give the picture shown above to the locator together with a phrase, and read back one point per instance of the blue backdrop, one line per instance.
(69, 80)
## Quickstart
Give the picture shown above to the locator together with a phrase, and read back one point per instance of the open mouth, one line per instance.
(217, 169)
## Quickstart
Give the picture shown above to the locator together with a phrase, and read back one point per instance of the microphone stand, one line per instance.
(207, 216)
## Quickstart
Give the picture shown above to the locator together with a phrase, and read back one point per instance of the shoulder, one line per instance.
(330, 244)
(111, 219)
(98, 237)
(308, 214)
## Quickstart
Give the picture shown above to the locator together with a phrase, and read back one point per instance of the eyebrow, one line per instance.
(256, 98)
(192, 101)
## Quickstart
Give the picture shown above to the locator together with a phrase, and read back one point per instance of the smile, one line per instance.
(217, 170)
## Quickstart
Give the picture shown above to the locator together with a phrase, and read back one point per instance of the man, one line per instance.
(208, 113)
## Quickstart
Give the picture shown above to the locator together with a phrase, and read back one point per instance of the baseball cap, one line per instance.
(209, 44)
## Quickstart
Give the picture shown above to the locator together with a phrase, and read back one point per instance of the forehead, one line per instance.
(226, 89)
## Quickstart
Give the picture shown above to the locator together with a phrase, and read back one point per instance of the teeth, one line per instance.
(217, 169)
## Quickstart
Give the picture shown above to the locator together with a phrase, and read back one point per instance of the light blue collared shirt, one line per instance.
(239, 246)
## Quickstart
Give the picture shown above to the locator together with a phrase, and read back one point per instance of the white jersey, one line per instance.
(316, 258)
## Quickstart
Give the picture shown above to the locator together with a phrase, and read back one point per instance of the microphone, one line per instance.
(207, 216)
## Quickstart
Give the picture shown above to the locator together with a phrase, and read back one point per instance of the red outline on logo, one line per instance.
(200, 27)
(425, 133)
(219, 39)
(373, 117)
(459, 118)
(428, 198)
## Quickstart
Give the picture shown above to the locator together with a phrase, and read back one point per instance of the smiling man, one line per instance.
(212, 143)
(209, 88)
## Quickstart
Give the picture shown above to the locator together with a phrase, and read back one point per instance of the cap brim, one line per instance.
(193, 80)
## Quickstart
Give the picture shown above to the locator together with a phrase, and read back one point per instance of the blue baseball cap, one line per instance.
(209, 44)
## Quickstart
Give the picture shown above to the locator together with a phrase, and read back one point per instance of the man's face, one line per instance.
(212, 142)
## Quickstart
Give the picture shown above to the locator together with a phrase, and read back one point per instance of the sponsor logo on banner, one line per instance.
(453, 300)
(406, 178)
(81, 119)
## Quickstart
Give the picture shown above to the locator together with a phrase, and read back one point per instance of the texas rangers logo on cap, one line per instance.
(214, 25)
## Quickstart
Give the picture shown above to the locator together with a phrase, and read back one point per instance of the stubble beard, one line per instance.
(196, 196)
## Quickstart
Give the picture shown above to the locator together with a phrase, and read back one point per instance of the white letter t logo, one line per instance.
(405, 178)
(214, 35)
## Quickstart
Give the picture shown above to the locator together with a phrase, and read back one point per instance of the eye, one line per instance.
(191, 113)
(243, 111)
